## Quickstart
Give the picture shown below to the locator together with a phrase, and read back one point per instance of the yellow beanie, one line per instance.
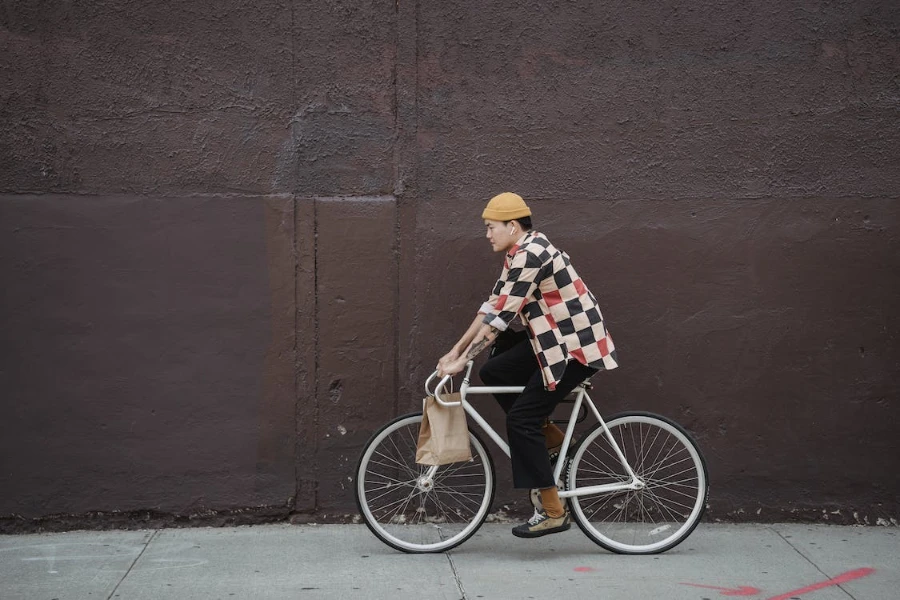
(506, 207)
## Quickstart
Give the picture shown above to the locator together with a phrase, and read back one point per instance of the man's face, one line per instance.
(501, 236)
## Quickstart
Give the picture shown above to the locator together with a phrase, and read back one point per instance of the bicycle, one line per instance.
(635, 484)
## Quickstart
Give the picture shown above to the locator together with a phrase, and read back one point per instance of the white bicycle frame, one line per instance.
(580, 398)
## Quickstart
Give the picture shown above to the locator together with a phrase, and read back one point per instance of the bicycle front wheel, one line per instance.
(665, 459)
(410, 511)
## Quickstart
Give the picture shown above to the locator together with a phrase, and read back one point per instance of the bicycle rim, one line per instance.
(407, 513)
(660, 515)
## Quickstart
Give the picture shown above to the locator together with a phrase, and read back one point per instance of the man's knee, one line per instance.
(488, 374)
(519, 422)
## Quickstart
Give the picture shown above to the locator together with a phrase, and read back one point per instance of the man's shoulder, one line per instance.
(537, 249)
(533, 242)
(538, 244)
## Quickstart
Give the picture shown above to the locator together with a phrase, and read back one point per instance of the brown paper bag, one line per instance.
(443, 435)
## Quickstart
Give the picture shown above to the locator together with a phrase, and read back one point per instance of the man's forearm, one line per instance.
(470, 334)
(484, 337)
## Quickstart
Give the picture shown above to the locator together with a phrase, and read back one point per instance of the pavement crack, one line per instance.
(134, 562)
(457, 578)
(807, 559)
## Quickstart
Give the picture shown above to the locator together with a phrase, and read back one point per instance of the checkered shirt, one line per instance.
(539, 284)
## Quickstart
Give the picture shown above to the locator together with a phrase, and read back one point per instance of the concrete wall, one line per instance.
(236, 239)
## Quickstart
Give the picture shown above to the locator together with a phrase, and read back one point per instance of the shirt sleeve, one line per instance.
(514, 287)
(488, 307)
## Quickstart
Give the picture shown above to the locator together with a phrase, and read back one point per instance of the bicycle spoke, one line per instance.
(640, 447)
(603, 475)
(686, 460)
(405, 465)
(390, 467)
(400, 505)
(446, 513)
(662, 446)
(669, 501)
(472, 499)
(673, 448)
(656, 436)
(388, 491)
(663, 506)
(675, 486)
(391, 479)
(644, 513)
(413, 436)
(591, 507)
(612, 457)
(450, 470)
(621, 513)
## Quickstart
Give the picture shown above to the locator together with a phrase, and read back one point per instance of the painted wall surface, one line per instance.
(234, 240)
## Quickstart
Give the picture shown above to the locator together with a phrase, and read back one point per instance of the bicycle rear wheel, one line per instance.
(405, 509)
(661, 514)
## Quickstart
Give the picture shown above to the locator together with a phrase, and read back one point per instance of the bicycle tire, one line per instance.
(655, 518)
(408, 517)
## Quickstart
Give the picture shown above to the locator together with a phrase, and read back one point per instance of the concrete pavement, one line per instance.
(761, 562)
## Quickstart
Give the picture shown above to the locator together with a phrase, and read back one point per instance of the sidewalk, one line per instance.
(760, 562)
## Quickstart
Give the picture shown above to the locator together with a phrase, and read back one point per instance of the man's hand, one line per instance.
(448, 358)
(452, 367)
(452, 363)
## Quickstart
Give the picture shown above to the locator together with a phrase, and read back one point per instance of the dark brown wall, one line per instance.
(144, 353)
(235, 240)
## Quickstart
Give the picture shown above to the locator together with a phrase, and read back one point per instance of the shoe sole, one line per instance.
(543, 532)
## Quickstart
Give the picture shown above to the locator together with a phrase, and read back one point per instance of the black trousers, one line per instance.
(526, 412)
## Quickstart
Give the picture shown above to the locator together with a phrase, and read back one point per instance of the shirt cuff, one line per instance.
(486, 308)
(495, 321)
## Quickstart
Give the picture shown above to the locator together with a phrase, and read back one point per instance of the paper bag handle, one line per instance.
(441, 384)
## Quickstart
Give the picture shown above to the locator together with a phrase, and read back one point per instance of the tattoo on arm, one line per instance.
(480, 345)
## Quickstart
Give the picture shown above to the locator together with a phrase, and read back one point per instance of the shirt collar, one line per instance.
(521, 241)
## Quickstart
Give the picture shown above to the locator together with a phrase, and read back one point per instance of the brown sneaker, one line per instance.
(542, 524)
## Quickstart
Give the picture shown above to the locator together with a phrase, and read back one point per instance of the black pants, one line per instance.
(526, 412)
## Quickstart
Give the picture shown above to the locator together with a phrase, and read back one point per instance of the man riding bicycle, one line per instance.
(567, 343)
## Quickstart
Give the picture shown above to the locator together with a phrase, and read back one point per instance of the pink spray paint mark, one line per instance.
(843, 578)
(584, 569)
(741, 591)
